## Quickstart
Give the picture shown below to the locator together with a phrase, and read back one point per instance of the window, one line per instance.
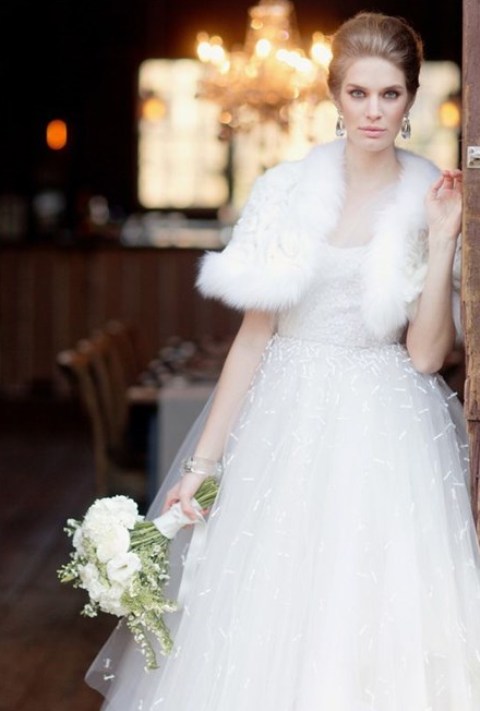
(182, 164)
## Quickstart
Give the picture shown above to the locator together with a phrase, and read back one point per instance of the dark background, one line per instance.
(79, 60)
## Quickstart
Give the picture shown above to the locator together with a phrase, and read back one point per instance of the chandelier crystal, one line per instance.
(263, 79)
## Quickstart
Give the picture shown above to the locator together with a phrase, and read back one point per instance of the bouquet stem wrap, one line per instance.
(170, 523)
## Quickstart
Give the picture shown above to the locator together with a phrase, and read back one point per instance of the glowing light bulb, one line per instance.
(320, 50)
(263, 48)
(203, 47)
(56, 134)
(153, 109)
(450, 114)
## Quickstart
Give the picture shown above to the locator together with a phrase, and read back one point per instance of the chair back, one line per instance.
(77, 368)
(126, 339)
(95, 371)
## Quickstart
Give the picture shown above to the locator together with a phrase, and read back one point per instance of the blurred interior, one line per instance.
(115, 177)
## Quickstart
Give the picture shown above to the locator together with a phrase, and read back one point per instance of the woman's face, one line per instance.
(373, 100)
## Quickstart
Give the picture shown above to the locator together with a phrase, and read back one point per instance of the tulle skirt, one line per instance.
(341, 570)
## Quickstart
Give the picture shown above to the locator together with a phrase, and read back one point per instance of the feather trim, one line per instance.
(258, 269)
(395, 267)
(272, 287)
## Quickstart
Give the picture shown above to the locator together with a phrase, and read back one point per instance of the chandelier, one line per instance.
(262, 80)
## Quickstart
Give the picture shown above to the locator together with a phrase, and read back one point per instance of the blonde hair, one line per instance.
(372, 34)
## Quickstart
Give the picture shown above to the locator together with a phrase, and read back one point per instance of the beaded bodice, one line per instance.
(331, 311)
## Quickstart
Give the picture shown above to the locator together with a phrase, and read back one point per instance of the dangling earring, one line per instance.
(340, 127)
(406, 129)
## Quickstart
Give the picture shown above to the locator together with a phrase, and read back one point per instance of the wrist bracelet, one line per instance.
(201, 467)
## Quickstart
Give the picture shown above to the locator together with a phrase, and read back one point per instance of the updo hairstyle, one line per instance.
(372, 34)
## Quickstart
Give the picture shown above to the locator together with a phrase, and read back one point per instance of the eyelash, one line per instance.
(359, 94)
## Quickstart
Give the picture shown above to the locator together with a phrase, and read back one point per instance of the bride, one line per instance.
(341, 569)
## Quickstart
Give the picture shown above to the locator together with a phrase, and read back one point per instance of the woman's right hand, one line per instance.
(444, 207)
(183, 492)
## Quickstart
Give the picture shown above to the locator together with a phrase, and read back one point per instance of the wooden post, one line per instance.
(471, 241)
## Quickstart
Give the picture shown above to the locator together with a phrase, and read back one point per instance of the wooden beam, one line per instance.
(471, 241)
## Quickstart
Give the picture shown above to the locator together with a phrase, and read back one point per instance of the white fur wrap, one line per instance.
(276, 248)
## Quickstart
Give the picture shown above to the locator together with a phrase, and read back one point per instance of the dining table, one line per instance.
(178, 406)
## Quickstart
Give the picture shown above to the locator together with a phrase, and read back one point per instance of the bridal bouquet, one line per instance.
(122, 561)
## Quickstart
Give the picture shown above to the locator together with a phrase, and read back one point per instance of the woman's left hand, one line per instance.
(444, 206)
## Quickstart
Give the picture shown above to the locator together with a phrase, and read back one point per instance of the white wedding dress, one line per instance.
(341, 570)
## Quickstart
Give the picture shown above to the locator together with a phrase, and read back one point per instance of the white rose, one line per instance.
(91, 581)
(110, 601)
(123, 567)
(126, 511)
(97, 515)
(114, 509)
(114, 541)
(95, 528)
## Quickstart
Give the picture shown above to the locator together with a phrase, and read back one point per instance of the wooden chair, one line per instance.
(135, 403)
(127, 342)
(111, 384)
(128, 363)
(88, 369)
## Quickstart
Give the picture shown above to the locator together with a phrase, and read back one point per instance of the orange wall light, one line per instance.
(56, 134)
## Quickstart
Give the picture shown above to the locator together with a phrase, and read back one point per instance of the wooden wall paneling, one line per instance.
(133, 275)
(76, 266)
(70, 322)
(227, 320)
(138, 271)
(148, 317)
(169, 295)
(104, 287)
(7, 315)
(10, 308)
(206, 317)
(51, 297)
(24, 349)
(187, 294)
(213, 319)
(63, 322)
(202, 314)
(43, 313)
(95, 291)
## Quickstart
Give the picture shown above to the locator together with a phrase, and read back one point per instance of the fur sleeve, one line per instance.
(254, 271)
(416, 272)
